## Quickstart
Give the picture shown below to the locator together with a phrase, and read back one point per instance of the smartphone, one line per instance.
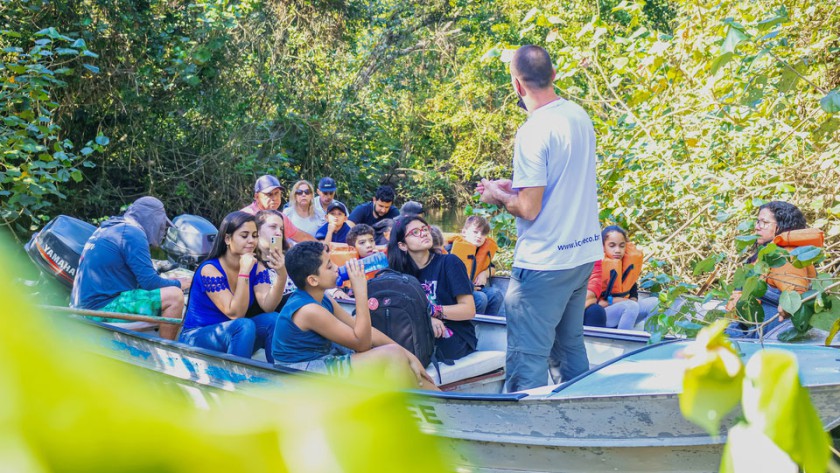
(276, 242)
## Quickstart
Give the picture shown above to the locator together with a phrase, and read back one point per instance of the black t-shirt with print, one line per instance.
(444, 279)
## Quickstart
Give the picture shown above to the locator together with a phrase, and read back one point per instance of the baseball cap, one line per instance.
(267, 183)
(412, 207)
(336, 205)
(327, 184)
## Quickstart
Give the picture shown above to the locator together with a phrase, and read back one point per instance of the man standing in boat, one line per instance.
(554, 199)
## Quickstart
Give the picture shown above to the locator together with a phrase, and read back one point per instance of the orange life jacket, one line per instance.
(341, 253)
(476, 259)
(789, 277)
(619, 276)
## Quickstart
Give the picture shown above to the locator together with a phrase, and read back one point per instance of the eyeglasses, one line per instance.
(328, 192)
(417, 232)
(303, 192)
(762, 224)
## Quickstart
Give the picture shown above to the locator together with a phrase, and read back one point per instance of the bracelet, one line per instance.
(244, 275)
(437, 311)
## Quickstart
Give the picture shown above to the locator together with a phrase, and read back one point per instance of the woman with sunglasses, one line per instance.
(301, 209)
(781, 223)
(444, 277)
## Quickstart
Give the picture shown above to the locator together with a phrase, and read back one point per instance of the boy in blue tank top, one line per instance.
(311, 322)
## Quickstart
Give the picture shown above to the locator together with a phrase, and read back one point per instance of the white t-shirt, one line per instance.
(555, 148)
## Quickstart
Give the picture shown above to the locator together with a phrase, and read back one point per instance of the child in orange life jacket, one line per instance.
(476, 250)
(621, 267)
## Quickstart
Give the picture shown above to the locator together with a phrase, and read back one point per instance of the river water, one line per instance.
(449, 220)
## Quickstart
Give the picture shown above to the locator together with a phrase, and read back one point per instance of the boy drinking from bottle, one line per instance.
(311, 322)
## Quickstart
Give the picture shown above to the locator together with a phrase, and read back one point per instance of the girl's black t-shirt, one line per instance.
(444, 279)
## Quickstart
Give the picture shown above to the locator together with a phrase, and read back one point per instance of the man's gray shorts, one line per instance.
(544, 309)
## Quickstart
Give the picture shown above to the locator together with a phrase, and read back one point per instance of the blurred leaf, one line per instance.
(59, 414)
(712, 380)
(775, 402)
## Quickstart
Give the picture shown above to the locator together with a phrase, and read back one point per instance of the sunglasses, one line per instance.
(303, 192)
(417, 232)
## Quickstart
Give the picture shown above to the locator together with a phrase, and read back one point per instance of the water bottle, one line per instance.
(372, 263)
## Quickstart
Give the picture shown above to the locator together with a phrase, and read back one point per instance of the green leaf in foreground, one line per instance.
(775, 402)
(790, 301)
(831, 102)
(712, 380)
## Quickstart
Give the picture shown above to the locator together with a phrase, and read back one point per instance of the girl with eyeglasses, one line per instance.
(301, 209)
(445, 280)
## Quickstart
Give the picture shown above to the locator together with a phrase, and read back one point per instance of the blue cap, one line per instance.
(327, 184)
(267, 184)
(337, 205)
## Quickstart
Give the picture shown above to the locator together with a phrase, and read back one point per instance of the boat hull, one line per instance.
(551, 430)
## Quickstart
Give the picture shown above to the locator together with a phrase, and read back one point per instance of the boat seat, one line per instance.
(474, 364)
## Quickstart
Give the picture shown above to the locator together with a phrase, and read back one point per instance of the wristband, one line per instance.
(244, 275)
(437, 311)
(609, 299)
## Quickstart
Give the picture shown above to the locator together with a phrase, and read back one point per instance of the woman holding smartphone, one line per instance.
(226, 284)
(272, 237)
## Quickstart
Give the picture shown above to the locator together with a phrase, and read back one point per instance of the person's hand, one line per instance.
(356, 274)
(603, 303)
(783, 315)
(418, 368)
(490, 192)
(246, 263)
(733, 299)
(340, 294)
(505, 185)
(481, 279)
(438, 328)
(332, 223)
(276, 259)
(185, 283)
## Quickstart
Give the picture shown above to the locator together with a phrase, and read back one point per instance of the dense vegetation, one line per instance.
(703, 110)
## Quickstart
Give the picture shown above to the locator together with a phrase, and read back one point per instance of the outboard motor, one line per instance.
(189, 240)
(57, 247)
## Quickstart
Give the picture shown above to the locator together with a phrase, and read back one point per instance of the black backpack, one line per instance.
(399, 309)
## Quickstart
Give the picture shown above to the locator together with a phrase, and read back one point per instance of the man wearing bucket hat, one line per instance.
(116, 273)
(268, 195)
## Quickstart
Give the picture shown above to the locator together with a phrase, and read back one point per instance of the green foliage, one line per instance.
(780, 424)
(36, 158)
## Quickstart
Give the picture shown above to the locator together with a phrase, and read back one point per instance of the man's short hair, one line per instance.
(303, 260)
(385, 194)
(357, 231)
(532, 65)
(478, 221)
